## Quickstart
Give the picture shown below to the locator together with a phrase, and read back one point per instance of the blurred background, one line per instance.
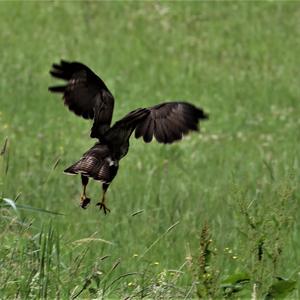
(193, 219)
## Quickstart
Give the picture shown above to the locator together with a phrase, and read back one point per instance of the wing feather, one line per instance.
(85, 94)
(149, 133)
(169, 122)
(159, 131)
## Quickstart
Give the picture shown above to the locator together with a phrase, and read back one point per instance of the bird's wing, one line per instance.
(85, 94)
(167, 122)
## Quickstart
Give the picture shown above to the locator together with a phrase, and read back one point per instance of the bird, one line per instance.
(86, 95)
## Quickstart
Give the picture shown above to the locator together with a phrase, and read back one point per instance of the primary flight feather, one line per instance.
(87, 96)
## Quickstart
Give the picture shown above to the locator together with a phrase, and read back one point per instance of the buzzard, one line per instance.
(87, 96)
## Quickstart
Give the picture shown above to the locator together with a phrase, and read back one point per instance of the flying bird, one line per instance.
(85, 94)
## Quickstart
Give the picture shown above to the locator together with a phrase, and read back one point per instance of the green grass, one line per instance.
(233, 189)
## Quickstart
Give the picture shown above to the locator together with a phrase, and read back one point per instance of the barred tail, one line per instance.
(90, 166)
(86, 165)
(72, 170)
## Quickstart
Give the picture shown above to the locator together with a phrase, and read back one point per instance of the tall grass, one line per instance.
(214, 216)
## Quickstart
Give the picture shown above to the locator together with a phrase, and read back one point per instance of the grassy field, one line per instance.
(215, 216)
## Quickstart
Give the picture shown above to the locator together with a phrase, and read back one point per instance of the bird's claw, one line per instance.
(84, 202)
(104, 207)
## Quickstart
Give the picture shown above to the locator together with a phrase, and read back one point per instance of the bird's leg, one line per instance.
(84, 200)
(102, 203)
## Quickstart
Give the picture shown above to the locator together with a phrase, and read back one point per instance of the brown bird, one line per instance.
(87, 96)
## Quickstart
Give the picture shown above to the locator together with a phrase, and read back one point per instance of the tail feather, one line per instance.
(71, 170)
(94, 168)
(87, 165)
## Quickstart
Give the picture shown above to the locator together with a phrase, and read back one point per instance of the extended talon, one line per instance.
(84, 202)
(104, 207)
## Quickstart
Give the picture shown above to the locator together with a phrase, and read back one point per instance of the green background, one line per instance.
(238, 61)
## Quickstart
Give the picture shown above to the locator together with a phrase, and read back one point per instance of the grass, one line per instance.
(213, 216)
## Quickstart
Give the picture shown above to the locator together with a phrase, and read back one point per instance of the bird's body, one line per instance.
(86, 95)
(97, 163)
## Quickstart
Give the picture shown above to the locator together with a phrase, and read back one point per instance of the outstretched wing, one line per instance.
(167, 122)
(85, 94)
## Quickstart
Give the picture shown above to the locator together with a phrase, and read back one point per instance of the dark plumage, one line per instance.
(87, 95)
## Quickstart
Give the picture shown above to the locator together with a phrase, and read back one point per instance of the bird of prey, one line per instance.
(87, 96)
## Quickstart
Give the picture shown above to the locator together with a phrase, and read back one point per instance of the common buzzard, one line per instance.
(87, 96)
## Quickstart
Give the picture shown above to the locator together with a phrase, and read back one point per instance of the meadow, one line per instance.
(212, 217)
